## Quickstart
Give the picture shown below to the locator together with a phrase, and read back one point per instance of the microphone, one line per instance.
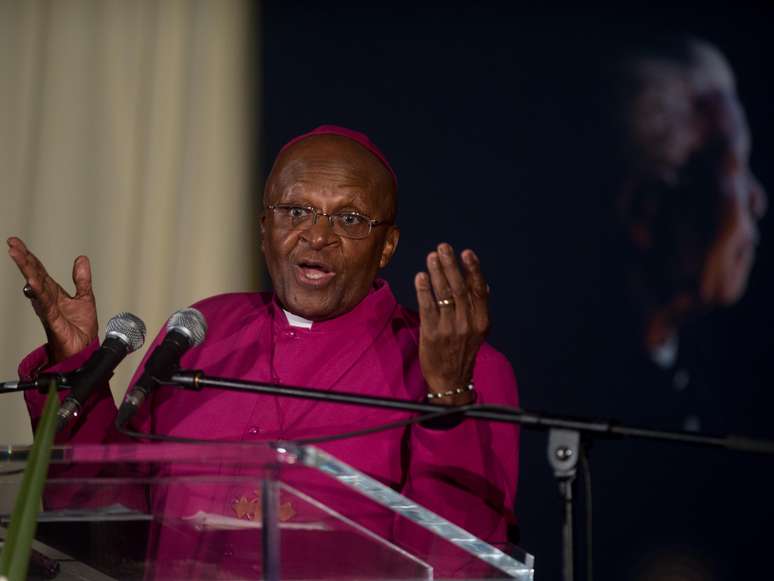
(186, 329)
(125, 333)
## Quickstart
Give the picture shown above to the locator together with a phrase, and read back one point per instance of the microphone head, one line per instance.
(128, 328)
(190, 322)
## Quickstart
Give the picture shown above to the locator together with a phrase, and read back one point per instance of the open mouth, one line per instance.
(313, 272)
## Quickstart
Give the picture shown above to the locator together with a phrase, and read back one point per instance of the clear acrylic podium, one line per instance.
(237, 511)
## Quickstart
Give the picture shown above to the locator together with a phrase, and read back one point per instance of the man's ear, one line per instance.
(390, 246)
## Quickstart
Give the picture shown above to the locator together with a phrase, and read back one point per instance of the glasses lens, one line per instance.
(293, 216)
(351, 225)
(347, 224)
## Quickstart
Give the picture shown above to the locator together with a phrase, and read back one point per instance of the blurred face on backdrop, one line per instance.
(688, 135)
(321, 268)
(740, 203)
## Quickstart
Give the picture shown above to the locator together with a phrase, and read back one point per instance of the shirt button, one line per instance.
(252, 430)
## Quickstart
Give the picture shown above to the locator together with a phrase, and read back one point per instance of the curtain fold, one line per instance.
(126, 131)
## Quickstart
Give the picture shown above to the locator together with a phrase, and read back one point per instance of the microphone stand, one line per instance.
(41, 383)
(564, 441)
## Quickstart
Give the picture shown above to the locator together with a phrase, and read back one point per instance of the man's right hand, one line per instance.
(70, 321)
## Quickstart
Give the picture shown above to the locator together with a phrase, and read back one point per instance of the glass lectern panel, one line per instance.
(236, 511)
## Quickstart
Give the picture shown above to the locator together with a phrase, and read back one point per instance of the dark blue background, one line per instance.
(487, 113)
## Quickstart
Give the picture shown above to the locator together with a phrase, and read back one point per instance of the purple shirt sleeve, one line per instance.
(96, 422)
(469, 473)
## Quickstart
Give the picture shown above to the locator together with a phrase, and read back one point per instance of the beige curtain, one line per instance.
(126, 130)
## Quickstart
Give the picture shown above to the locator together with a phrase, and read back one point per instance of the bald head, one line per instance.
(335, 156)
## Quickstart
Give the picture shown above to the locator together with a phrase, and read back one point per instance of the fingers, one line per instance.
(478, 289)
(18, 253)
(442, 267)
(38, 278)
(458, 288)
(441, 287)
(452, 272)
(31, 268)
(82, 277)
(444, 283)
(428, 310)
(47, 292)
(447, 280)
(475, 278)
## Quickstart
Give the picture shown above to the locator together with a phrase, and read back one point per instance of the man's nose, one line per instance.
(320, 233)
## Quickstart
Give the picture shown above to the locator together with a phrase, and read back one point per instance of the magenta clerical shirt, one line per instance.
(467, 473)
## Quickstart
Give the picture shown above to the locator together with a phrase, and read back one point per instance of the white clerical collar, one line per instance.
(296, 321)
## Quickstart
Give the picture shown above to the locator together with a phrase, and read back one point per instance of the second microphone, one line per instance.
(186, 329)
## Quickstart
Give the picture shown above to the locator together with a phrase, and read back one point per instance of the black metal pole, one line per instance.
(600, 428)
(40, 383)
(564, 450)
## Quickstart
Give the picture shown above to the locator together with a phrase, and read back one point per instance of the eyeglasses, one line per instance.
(347, 224)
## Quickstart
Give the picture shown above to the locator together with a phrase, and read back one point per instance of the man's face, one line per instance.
(741, 203)
(316, 273)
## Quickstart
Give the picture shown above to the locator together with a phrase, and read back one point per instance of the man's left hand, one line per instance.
(454, 319)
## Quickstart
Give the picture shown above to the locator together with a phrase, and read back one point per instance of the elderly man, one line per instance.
(328, 228)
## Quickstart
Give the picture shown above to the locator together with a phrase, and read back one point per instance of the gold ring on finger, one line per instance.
(445, 302)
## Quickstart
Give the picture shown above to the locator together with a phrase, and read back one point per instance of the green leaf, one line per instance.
(16, 552)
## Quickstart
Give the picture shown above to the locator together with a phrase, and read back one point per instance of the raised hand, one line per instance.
(454, 319)
(70, 322)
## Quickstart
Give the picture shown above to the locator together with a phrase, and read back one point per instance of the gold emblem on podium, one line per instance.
(250, 508)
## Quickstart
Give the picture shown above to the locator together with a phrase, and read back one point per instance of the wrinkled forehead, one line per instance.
(330, 164)
(324, 171)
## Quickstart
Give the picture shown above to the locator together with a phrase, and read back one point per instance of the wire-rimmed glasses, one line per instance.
(347, 224)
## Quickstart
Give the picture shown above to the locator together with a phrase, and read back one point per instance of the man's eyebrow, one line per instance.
(293, 196)
(348, 208)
